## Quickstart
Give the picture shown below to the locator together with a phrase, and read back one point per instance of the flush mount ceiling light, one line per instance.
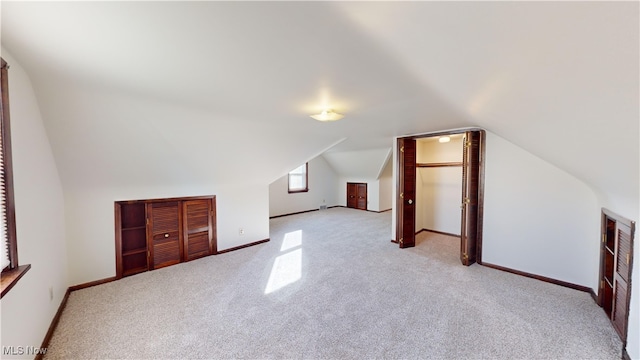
(327, 115)
(444, 139)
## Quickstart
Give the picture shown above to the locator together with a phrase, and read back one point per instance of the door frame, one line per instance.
(619, 220)
(477, 241)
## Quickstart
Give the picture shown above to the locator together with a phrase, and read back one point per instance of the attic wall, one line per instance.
(441, 191)
(538, 218)
(322, 185)
(386, 185)
(90, 221)
(27, 310)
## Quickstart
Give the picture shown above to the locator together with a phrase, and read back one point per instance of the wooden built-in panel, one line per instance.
(133, 215)
(131, 238)
(136, 240)
(134, 263)
(164, 230)
(198, 228)
(620, 308)
(624, 253)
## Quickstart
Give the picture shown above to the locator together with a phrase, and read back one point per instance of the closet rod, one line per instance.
(444, 164)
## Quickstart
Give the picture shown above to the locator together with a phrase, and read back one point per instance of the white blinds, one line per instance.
(298, 178)
(3, 209)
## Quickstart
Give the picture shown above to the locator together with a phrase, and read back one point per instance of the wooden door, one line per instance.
(622, 277)
(616, 259)
(164, 233)
(607, 259)
(198, 228)
(352, 195)
(469, 206)
(405, 200)
(361, 194)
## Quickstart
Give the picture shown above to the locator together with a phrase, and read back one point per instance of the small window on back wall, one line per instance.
(298, 179)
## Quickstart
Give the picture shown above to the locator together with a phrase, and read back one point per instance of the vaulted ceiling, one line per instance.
(181, 92)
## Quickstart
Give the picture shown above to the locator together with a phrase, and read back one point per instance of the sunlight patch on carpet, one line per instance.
(291, 240)
(287, 268)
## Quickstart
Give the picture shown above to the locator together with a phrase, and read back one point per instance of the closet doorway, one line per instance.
(470, 203)
(357, 195)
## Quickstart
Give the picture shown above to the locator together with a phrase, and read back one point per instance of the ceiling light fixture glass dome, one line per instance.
(327, 115)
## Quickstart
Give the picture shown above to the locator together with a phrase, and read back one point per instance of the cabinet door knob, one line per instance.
(166, 235)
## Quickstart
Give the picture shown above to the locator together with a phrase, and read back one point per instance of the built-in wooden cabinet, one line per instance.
(131, 238)
(197, 228)
(357, 195)
(616, 257)
(151, 234)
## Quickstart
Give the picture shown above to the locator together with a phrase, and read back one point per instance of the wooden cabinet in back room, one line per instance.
(155, 233)
(357, 195)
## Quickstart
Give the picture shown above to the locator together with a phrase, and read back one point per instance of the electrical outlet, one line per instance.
(50, 293)
(241, 231)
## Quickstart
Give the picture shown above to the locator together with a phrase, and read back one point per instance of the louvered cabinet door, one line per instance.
(198, 228)
(362, 196)
(621, 279)
(164, 232)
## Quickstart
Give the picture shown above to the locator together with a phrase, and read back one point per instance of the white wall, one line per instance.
(441, 192)
(439, 189)
(358, 164)
(322, 190)
(538, 218)
(27, 310)
(386, 186)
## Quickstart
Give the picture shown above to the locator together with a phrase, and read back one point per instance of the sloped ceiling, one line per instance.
(171, 92)
(362, 164)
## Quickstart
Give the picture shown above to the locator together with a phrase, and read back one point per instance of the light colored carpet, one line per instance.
(357, 296)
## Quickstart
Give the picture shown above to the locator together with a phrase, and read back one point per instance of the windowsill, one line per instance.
(298, 191)
(11, 277)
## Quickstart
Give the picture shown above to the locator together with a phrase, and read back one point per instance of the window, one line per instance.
(298, 179)
(11, 271)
